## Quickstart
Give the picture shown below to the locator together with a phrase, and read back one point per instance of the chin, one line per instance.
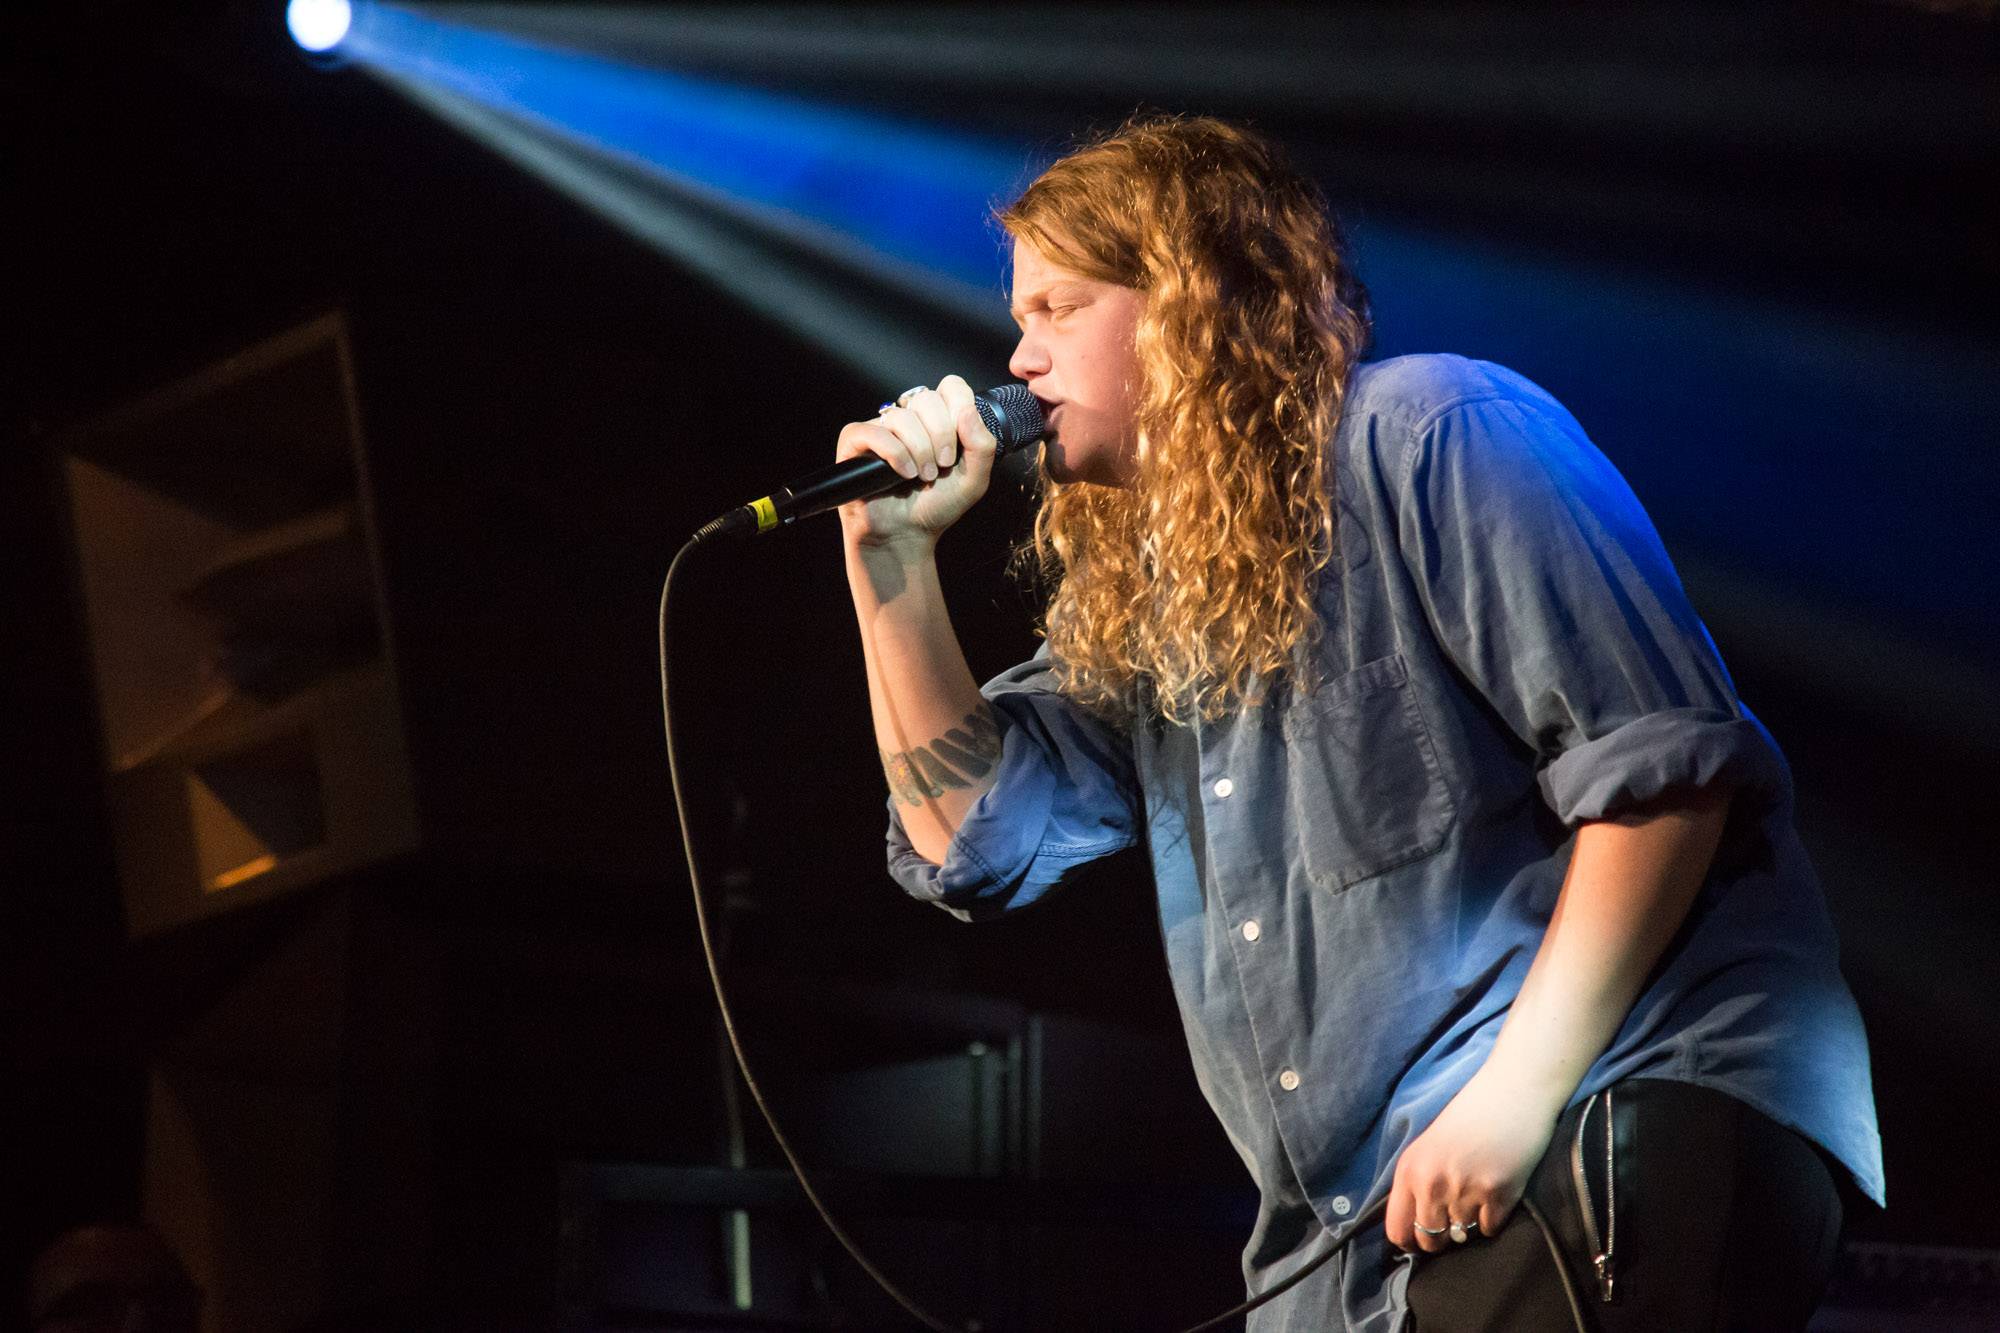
(1055, 460)
(1073, 460)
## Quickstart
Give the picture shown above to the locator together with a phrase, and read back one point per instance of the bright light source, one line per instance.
(318, 25)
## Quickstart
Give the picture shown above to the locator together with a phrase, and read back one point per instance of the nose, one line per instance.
(1030, 359)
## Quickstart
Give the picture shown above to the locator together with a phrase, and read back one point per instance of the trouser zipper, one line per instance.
(1601, 1249)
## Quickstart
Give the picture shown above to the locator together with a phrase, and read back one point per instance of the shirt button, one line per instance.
(1289, 1080)
(1341, 1206)
(1222, 788)
(1251, 930)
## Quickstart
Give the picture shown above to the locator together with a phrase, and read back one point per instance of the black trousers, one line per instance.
(1716, 1216)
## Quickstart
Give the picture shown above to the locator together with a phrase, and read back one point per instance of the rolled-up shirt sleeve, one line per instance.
(1551, 591)
(1064, 795)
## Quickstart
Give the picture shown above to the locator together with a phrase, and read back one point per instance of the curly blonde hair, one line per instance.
(1192, 590)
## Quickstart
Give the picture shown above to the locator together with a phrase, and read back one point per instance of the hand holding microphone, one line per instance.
(931, 436)
(943, 439)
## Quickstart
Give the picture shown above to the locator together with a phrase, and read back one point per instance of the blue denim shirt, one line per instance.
(1353, 880)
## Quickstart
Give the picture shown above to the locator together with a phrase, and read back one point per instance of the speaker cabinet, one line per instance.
(226, 562)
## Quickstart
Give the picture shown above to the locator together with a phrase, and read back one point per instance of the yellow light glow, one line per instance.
(248, 870)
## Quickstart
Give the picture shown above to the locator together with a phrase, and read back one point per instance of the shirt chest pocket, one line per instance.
(1364, 788)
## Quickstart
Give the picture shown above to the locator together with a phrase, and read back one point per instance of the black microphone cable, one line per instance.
(847, 1243)
(715, 974)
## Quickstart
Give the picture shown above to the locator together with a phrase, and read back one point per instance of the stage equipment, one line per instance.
(994, 1166)
(225, 555)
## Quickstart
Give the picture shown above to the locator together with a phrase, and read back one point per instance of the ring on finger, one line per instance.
(1431, 1231)
(901, 400)
(1462, 1231)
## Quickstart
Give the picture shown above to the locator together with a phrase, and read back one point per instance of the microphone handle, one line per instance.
(814, 493)
(833, 486)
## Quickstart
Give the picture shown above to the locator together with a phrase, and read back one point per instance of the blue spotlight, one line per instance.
(319, 25)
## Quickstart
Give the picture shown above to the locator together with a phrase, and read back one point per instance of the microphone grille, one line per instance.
(1012, 414)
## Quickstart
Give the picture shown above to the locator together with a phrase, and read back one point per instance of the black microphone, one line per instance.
(1010, 412)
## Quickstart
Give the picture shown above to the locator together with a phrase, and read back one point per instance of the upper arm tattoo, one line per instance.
(958, 758)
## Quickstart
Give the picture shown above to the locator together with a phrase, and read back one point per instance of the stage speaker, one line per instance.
(226, 561)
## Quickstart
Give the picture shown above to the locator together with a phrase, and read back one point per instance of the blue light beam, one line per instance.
(913, 196)
(861, 324)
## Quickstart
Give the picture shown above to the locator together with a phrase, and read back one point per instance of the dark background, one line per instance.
(549, 407)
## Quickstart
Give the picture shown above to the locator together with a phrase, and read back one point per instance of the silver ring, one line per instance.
(1430, 1231)
(1461, 1231)
(902, 399)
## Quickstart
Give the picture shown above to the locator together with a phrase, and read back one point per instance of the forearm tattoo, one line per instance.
(956, 759)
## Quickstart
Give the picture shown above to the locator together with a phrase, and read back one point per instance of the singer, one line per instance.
(1478, 883)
